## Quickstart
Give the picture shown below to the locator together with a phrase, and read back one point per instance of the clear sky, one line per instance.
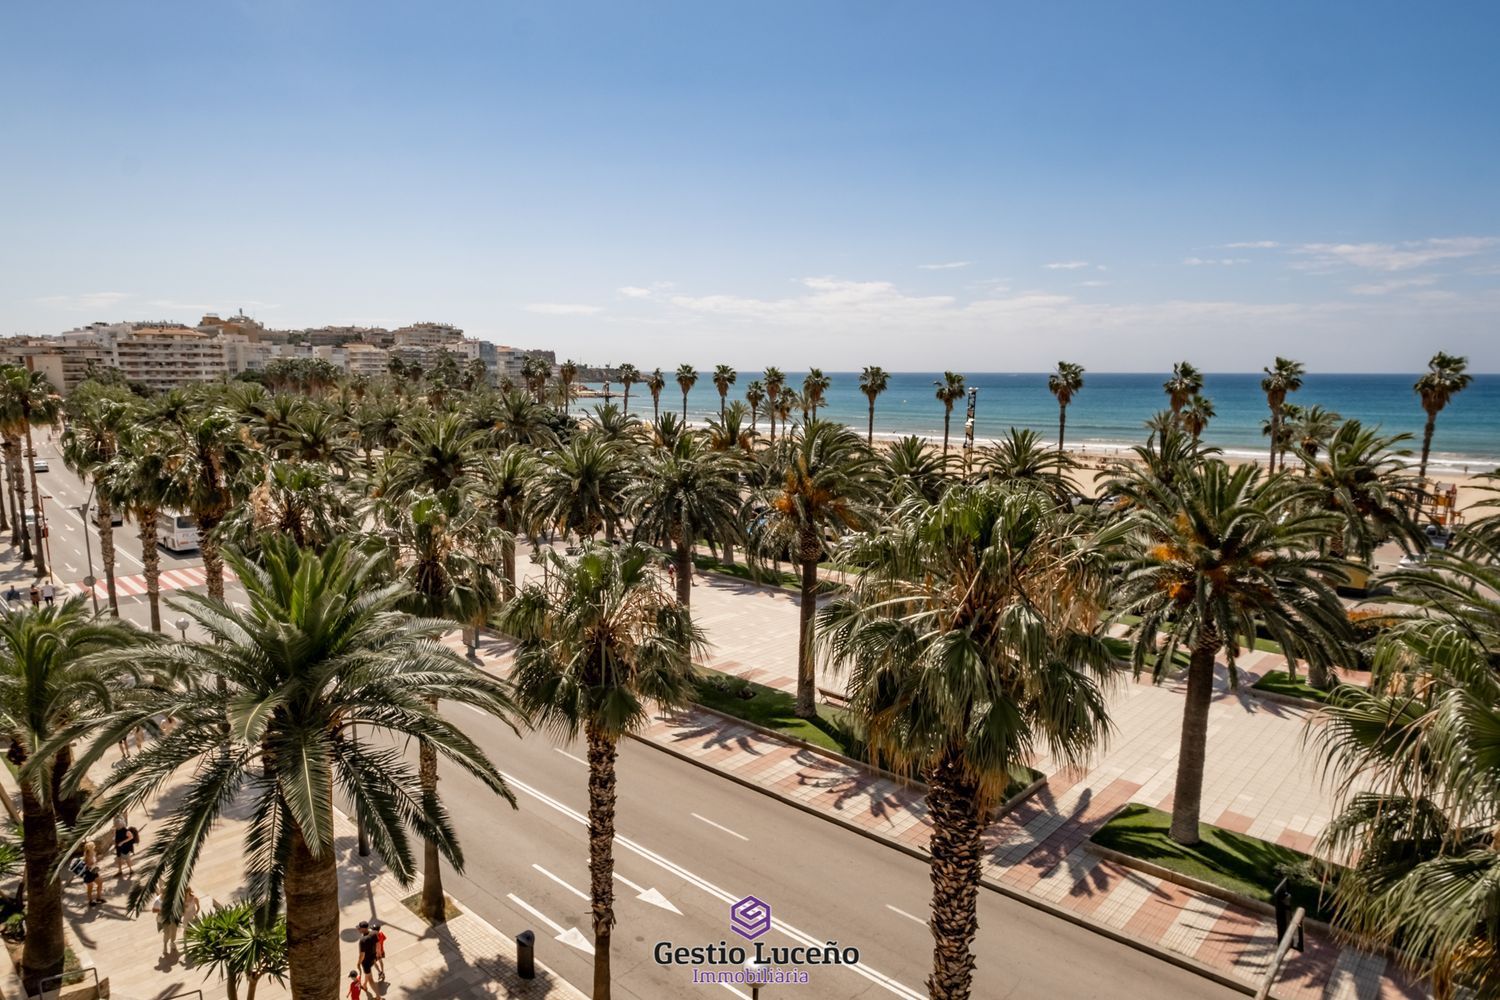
(988, 186)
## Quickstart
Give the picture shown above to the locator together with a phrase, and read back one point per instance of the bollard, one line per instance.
(526, 955)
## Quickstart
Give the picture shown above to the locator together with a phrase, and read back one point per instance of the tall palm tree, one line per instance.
(581, 487)
(1364, 482)
(307, 503)
(1284, 376)
(755, 395)
(774, 379)
(1446, 377)
(685, 493)
(321, 648)
(1196, 415)
(950, 389)
(1020, 457)
(787, 402)
(687, 377)
(1308, 430)
(567, 372)
(873, 381)
(33, 399)
(1065, 383)
(974, 634)
(914, 469)
(536, 371)
(1211, 557)
(139, 480)
(46, 682)
(814, 387)
(1418, 782)
(820, 480)
(519, 419)
(1185, 383)
(212, 468)
(656, 382)
(599, 640)
(724, 377)
(96, 417)
(504, 487)
(629, 376)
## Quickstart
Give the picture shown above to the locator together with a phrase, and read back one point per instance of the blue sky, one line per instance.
(923, 186)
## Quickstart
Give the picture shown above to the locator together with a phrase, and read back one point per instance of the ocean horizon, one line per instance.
(1111, 409)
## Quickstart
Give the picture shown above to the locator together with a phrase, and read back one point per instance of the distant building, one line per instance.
(366, 359)
(166, 357)
(65, 365)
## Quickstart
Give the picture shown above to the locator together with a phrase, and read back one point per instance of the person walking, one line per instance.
(36, 595)
(49, 592)
(376, 926)
(354, 987)
(169, 928)
(368, 943)
(92, 883)
(125, 841)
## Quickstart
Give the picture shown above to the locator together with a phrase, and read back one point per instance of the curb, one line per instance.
(1087, 923)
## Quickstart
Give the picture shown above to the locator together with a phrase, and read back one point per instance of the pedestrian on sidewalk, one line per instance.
(12, 595)
(353, 984)
(375, 926)
(368, 943)
(169, 928)
(48, 592)
(92, 883)
(126, 837)
(36, 595)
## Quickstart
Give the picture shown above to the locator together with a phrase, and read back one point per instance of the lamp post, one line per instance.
(182, 624)
(969, 430)
(88, 548)
(359, 820)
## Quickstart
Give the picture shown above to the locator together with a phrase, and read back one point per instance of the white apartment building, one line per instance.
(166, 357)
(428, 336)
(241, 354)
(65, 365)
(365, 359)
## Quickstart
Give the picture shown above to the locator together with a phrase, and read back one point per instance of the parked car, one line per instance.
(116, 515)
(1438, 536)
(39, 465)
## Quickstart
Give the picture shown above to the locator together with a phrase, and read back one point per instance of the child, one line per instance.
(353, 984)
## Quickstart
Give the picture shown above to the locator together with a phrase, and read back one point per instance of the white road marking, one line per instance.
(70, 567)
(67, 525)
(716, 826)
(581, 895)
(801, 937)
(570, 936)
(908, 916)
(573, 757)
(652, 895)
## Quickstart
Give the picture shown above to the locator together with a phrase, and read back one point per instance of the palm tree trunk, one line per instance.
(42, 955)
(508, 566)
(16, 521)
(625, 408)
(1187, 799)
(1427, 430)
(807, 707)
(771, 416)
(312, 922)
(602, 755)
(953, 799)
(684, 407)
(870, 425)
(1275, 434)
(151, 558)
(20, 484)
(947, 415)
(36, 505)
(433, 905)
(4, 516)
(655, 408)
(722, 399)
(684, 571)
(1062, 423)
(107, 550)
(213, 556)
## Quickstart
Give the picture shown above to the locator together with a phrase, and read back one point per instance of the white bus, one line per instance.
(177, 532)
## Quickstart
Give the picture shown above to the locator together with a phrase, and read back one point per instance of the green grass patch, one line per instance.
(414, 904)
(1282, 683)
(764, 576)
(1234, 861)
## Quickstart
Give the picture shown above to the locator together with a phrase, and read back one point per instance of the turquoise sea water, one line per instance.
(1111, 408)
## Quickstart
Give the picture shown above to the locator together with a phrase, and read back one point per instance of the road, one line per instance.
(689, 844)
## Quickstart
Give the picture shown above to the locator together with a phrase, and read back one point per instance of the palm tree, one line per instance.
(974, 633)
(566, 373)
(139, 480)
(1020, 457)
(724, 377)
(787, 403)
(1185, 383)
(321, 648)
(504, 486)
(915, 470)
(29, 394)
(519, 419)
(872, 382)
(656, 382)
(1209, 558)
(950, 389)
(685, 493)
(95, 420)
(1308, 430)
(1196, 415)
(774, 379)
(1446, 376)
(755, 395)
(1412, 758)
(581, 487)
(536, 371)
(819, 480)
(814, 386)
(306, 503)
(687, 377)
(629, 376)
(1282, 377)
(212, 467)
(598, 640)
(1362, 480)
(1065, 383)
(46, 682)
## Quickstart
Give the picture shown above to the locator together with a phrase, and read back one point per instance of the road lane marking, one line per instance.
(570, 756)
(70, 567)
(581, 895)
(801, 937)
(716, 826)
(908, 916)
(652, 895)
(570, 936)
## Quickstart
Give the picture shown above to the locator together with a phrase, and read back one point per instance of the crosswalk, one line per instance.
(172, 579)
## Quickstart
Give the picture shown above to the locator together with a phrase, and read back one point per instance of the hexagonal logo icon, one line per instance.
(750, 918)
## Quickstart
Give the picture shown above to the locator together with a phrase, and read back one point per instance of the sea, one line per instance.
(1110, 411)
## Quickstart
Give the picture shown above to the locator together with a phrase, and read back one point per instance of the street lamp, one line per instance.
(969, 429)
(88, 548)
(182, 626)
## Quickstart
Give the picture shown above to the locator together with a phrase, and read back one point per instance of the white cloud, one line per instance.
(563, 309)
(945, 267)
(1253, 245)
(1390, 256)
(1394, 285)
(634, 292)
(1067, 265)
(1095, 284)
(1214, 262)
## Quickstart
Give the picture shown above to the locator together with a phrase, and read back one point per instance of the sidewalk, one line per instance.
(465, 959)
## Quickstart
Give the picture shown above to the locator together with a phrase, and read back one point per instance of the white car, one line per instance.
(1413, 560)
(39, 465)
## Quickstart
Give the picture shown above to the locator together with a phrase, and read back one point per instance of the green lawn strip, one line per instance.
(1237, 862)
(835, 729)
(765, 577)
(1282, 683)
